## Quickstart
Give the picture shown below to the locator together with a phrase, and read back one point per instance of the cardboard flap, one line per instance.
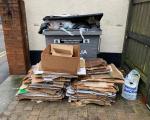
(76, 51)
(47, 50)
(62, 50)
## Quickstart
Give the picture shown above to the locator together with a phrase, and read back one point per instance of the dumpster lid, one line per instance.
(74, 32)
(97, 16)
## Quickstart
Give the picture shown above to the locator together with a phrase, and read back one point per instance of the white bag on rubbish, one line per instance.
(130, 87)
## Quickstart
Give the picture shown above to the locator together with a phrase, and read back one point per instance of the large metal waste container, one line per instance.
(89, 40)
(88, 46)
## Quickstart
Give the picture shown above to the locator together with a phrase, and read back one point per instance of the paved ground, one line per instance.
(4, 70)
(8, 90)
(30, 110)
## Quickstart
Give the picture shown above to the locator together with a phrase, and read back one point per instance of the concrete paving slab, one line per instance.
(8, 90)
(62, 110)
(4, 69)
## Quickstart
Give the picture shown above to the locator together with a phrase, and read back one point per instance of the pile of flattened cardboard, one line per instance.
(45, 81)
(61, 72)
(99, 86)
(44, 86)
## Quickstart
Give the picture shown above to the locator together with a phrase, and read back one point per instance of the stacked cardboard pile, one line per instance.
(40, 85)
(61, 72)
(99, 86)
(97, 66)
(46, 80)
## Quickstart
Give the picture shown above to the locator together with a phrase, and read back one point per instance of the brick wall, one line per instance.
(15, 35)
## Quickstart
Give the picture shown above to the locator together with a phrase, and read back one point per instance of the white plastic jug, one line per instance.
(130, 87)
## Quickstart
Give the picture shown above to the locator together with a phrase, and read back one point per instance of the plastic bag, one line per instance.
(130, 87)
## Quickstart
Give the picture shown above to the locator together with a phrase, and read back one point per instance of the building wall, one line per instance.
(15, 42)
(113, 22)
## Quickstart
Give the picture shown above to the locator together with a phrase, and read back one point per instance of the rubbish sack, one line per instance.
(130, 87)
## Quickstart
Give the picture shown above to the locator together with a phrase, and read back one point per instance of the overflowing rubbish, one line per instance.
(130, 87)
(95, 81)
(71, 22)
(84, 30)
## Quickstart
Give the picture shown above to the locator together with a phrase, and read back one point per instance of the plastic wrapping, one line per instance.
(130, 87)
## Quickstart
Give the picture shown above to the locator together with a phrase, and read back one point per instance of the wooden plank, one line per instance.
(140, 47)
(146, 68)
(129, 48)
(134, 51)
(139, 56)
(140, 1)
(128, 28)
(145, 12)
(135, 55)
(147, 21)
(132, 19)
(135, 19)
(141, 6)
(140, 38)
(144, 55)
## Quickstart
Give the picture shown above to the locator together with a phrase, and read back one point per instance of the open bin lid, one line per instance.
(72, 18)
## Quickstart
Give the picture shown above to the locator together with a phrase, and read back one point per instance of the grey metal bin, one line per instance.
(57, 30)
(89, 46)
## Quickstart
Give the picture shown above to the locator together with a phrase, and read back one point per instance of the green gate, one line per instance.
(136, 53)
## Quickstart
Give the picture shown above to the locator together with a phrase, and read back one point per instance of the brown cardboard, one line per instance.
(62, 50)
(82, 63)
(61, 64)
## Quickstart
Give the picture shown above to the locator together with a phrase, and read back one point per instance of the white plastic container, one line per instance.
(130, 87)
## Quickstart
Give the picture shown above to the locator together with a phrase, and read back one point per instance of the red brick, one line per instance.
(14, 40)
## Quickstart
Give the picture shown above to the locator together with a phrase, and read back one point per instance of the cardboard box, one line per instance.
(62, 50)
(62, 64)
